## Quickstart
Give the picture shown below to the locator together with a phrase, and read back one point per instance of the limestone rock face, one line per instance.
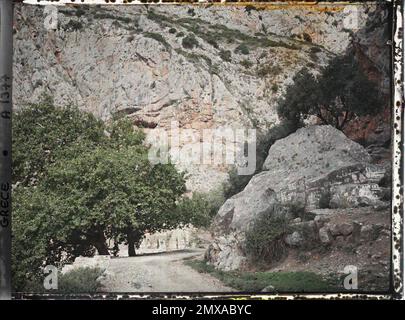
(315, 167)
(131, 60)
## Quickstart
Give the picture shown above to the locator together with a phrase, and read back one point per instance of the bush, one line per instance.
(80, 280)
(324, 200)
(191, 12)
(249, 8)
(268, 69)
(180, 34)
(189, 42)
(281, 281)
(172, 30)
(225, 55)
(246, 63)
(242, 48)
(73, 25)
(158, 37)
(200, 208)
(264, 242)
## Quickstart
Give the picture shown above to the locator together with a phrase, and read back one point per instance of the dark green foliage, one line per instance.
(172, 30)
(189, 42)
(324, 200)
(191, 12)
(242, 49)
(73, 25)
(265, 239)
(200, 208)
(180, 34)
(225, 55)
(281, 281)
(80, 181)
(41, 131)
(249, 8)
(158, 37)
(81, 280)
(341, 93)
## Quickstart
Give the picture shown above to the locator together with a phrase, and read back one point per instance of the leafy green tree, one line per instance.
(341, 93)
(40, 131)
(84, 183)
(200, 208)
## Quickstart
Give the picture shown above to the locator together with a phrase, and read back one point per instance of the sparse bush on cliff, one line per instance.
(225, 55)
(189, 42)
(265, 239)
(242, 49)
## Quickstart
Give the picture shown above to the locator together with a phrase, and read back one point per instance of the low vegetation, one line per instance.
(80, 280)
(279, 281)
(264, 242)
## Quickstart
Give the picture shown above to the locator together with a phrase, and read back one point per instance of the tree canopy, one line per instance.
(79, 182)
(339, 94)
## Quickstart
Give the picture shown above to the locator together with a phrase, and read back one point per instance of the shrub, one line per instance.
(249, 8)
(213, 42)
(189, 42)
(225, 55)
(191, 12)
(172, 30)
(274, 87)
(264, 242)
(307, 37)
(73, 25)
(158, 37)
(200, 208)
(180, 34)
(269, 69)
(242, 48)
(80, 280)
(324, 200)
(246, 63)
(281, 281)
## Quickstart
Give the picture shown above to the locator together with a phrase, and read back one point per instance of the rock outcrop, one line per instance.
(316, 167)
(202, 66)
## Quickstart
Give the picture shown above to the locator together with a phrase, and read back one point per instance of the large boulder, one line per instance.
(315, 167)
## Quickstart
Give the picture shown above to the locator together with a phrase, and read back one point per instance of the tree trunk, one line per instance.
(100, 243)
(131, 244)
(133, 238)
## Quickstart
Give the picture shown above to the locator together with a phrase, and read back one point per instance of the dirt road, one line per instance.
(160, 272)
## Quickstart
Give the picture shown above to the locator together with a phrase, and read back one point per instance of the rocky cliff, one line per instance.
(203, 66)
(336, 185)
